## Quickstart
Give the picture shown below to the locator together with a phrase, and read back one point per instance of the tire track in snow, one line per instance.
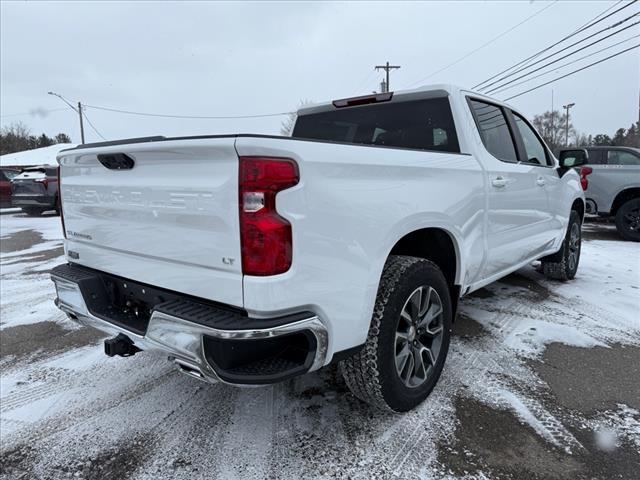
(481, 369)
(246, 445)
(92, 405)
(406, 436)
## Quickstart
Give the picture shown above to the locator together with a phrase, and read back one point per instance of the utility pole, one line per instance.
(566, 128)
(81, 124)
(79, 110)
(387, 68)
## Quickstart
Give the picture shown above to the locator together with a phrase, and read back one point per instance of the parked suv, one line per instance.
(613, 187)
(35, 190)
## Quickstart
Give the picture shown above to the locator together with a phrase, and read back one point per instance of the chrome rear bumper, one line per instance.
(183, 340)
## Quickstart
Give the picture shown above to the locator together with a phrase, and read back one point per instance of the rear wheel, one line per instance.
(408, 338)
(33, 211)
(628, 220)
(564, 264)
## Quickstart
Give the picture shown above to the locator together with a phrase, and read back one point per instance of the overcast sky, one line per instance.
(215, 58)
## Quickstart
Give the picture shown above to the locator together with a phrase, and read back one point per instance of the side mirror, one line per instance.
(573, 158)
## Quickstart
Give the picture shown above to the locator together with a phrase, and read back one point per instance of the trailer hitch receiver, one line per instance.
(120, 345)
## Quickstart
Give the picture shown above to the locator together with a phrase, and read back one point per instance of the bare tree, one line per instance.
(17, 138)
(551, 125)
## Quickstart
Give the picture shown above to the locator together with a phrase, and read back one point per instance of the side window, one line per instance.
(596, 157)
(494, 130)
(621, 157)
(536, 153)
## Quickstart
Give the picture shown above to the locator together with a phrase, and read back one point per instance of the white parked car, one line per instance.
(250, 259)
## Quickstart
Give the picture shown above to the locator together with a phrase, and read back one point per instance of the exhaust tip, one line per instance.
(188, 368)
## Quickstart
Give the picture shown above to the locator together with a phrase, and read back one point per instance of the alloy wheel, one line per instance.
(632, 220)
(574, 246)
(419, 336)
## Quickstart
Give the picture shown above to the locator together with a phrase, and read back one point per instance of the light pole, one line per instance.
(79, 110)
(566, 128)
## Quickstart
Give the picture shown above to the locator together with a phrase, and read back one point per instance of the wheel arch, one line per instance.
(440, 247)
(579, 206)
(622, 197)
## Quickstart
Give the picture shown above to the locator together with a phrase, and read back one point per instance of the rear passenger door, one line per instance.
(518, 208)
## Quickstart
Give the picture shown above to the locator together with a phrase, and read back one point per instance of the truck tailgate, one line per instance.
(170, 221)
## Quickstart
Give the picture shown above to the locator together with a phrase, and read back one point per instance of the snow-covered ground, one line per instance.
(37, 156)
(542, 381)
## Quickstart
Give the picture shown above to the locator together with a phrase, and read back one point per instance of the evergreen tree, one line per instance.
(602, 139)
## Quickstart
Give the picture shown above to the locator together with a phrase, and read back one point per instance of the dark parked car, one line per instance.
(6, 175)
(35, 190)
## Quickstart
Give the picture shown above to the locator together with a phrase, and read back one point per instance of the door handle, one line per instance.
(540, 182)
(499, 182)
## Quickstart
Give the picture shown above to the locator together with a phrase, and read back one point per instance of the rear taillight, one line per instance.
(265, 236)
(59, 201)
(584, 171)
(43, 181)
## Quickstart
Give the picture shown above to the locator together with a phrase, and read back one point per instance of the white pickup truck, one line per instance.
(250, 259)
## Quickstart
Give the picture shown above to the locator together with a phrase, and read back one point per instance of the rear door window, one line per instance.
(494, 130)
(9, 174)
(416, 124)
(622, 157)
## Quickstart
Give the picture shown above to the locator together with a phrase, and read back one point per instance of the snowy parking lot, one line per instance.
(542, 381)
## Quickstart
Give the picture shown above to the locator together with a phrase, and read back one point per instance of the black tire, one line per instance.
(628, 220)
(372, 374)
(564, 264)
(32, 211)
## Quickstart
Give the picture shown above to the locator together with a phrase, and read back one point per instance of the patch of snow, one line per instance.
(28, 300)
(611, 427)
(37, 156)
(49, 226)
(308, 427)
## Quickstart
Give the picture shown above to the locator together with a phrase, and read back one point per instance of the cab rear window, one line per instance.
(418, 124)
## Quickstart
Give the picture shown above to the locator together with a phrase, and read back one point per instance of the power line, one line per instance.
(599, 15)
(556, 60)
(364, 82)
(589, 24)
(500, 89)
(467, 55)
(571, 73)
(582, 28)
(77, 110)
(566, 48)
(33, 112)
(201, 117)
(93, 126)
